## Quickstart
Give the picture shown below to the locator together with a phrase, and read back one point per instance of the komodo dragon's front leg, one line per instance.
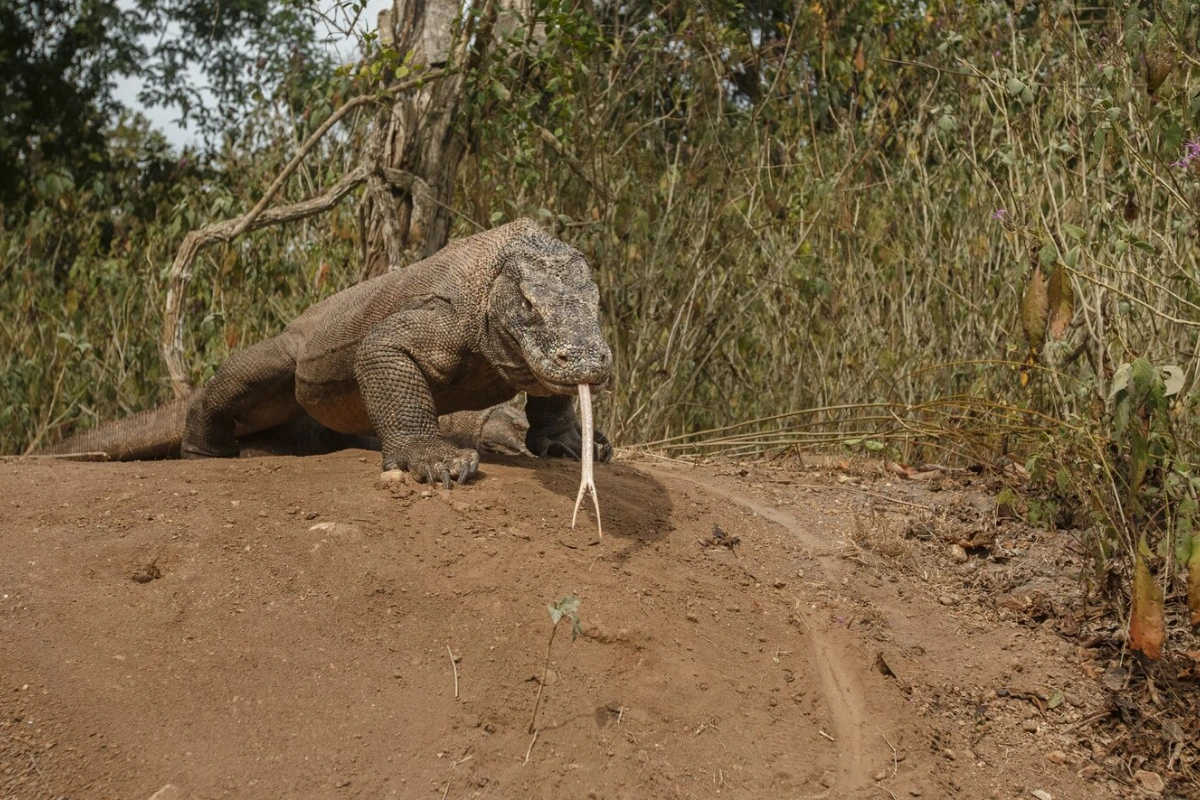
(401, 408)
(554, 429)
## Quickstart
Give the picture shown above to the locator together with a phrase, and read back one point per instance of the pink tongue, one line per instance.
(587, 482)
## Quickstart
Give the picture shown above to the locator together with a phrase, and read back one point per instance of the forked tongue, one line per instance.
(587, 481)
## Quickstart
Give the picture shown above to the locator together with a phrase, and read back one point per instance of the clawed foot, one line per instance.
(436, 460)
(567, 444)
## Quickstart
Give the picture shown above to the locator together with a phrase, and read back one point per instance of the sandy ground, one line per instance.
(286, 627)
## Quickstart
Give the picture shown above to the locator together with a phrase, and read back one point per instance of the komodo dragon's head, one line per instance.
(543, 318)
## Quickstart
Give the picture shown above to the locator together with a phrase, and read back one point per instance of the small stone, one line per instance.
(947, 600)
(1056, 757)
(957, 554)
(1042, 794)
(168, 792)
(915, 791)
(1029, 726)
(1151, 782)
(948, 754)
(828, 779)
(691, 617)
(393, 477)
(779, 584)
(489, 727)
(881, 775)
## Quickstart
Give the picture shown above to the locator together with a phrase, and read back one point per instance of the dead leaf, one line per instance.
(1194, 585)
(1035, 306)
(860, 59)
(1147, 628)
(1062, 302)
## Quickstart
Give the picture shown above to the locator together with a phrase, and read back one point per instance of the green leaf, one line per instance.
(1074, 231)
(1121, 414)
(1048, 254)
(1056, 699)
(1120, 380)
(873, 445)
(564, 607)
(1142, 378)
(1015, 86)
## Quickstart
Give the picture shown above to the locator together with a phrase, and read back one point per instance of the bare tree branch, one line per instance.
(171, 341)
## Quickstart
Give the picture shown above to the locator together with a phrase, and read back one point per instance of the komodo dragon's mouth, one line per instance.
(521, 374)
(571, 388)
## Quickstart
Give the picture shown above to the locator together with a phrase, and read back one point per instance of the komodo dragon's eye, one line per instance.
(528, 306)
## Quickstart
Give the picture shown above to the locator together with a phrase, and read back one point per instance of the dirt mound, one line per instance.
(286, 627)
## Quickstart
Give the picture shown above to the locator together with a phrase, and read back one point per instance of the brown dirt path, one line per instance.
(283, 627)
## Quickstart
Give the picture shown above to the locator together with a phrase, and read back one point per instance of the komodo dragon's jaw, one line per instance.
(542, 329)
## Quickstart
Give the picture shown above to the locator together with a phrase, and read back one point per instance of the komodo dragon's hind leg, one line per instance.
(253, 390)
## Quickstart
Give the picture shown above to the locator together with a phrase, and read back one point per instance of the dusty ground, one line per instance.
(284, 627)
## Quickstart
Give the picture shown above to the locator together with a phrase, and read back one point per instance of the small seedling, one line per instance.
(567, 607)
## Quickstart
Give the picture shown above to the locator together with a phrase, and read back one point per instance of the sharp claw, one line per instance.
(446, 478)
(429, 476)
(463, 474)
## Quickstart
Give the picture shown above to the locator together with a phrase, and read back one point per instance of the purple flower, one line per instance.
(999, 213)
(1191, 151)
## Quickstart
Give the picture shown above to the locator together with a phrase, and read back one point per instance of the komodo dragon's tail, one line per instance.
(150, 434)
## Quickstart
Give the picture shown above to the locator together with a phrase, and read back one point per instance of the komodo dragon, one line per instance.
(511, 309)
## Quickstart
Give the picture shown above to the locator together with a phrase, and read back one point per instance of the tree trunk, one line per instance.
(409, 207)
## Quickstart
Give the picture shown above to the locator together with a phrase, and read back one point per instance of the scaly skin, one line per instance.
(507, 310)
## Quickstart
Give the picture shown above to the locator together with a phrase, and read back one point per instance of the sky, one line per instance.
(344, 49)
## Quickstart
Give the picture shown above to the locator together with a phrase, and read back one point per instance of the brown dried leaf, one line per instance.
(1035, 307)
(1147, 627)
(1062, 302)
(1193, 566)
(860, 59)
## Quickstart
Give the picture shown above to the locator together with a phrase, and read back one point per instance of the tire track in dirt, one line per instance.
(840, 682)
